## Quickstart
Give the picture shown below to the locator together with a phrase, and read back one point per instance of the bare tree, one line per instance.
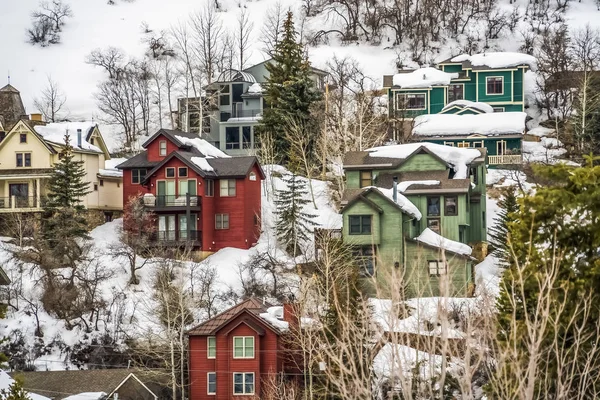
(272, 29)
(111, 59)
(207, 31)
(51, 102)
(243, 35)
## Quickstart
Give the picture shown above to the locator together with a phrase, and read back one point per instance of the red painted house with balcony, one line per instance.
(235, 354)
(201, 197)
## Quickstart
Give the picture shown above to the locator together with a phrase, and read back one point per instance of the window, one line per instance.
(92, 141)
(410, 101)
(366, 178)
(451, 144)
(478, 144)
(433, 206)
(494, 85)
(23, 138)
(183, 172)
(95, 187)
(455, 92)
(450, 205)
(360, 224)
(211, 347)
(500, 147)
(224, 95)
(366, 260)
(101, 182)
(437, 268)
(227, 187)
(137, 175)
(170, 172)
(211, 383)
(246, 137)
(252, 176)
(462, 144)
(232, 137)
(23, 159)
(210, 188)
(162, 148)
(221, 221)
(434, 224)
(498, 109)
(243, 383)
(243, 347)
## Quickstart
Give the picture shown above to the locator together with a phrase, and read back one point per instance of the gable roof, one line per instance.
(422, 78)
(171, 135)
(26, 124)
(251, 307)
(61, 384)
(54, 133)
(402, 203)
(492, 60)
(137, 161)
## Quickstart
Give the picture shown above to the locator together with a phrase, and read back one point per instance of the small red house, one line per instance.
(202, 198)
(236, 354)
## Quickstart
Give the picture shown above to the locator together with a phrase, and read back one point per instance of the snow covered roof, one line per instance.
(87, 396)
(488, 124)
(458, 158)
(423, 78)
(203, 164)
(55, 133)
(207, 149)
(110, 168)
(503, 59)
(474, 105)
(274, 316)
(431, 238)
(255, 88)
(402, 202)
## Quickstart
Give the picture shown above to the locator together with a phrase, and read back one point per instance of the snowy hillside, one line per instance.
(130, 310)
(95, 24)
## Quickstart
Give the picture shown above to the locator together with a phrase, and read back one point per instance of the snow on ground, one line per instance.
(545, 151)
(396, 360)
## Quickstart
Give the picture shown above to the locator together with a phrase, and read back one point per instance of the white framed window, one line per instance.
(494, 85)
(252, 176)
(411, 101)
(243, 347)
(456, 92)
(211, 383)
(211, 347)
(243, 383)
(498, 109)
(162, 148)
(227, 187)
(221, 221)
(182, 172)
(462, 144)
(170, 172)
(23, 160)
(437, 268)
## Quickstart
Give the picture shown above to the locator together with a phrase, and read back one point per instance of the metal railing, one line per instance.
(225, 115)
(177, 236)
(18, 202)
(506, 159)
(185, 200)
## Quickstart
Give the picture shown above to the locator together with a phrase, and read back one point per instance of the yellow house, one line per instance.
(29, 151)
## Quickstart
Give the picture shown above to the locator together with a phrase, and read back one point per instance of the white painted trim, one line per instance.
(208, 348)
(208, 393)
(243, 383)
(486, 86)
(137, 379)
(244, 347)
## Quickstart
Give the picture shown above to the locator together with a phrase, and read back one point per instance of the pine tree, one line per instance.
(14, 392)
(293, 224)
(289, 92)
(64, 214)
(499, 232)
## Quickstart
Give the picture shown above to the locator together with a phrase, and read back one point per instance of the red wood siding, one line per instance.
(154, 148)
(129, 189)
(264, 364)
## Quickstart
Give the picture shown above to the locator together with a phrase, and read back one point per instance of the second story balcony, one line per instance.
(21, 203)
(239, 113)
(172, 202)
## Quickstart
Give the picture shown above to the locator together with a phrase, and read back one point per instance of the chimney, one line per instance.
(79, 138)
(36, 117)
(290, 312)
(395, 190)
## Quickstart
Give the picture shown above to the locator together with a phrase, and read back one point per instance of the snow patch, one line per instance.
(540, 131)
(55, 133)
(501, 59)
(255, 88)
(87, 396)
(403, 186)
(402, 202)
(423, 78)
(433, 239)
(488, 124)
(203, 164)
(476, 105)
(203, 147)
(274, 316)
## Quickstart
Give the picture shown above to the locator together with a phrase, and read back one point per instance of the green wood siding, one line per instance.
(477, 231)
(505, 97)
(448, 223)
(421, 284)
(360, 208)
(422, 162)
(352, 179)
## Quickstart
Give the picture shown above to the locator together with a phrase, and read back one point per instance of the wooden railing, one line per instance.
(512, 159)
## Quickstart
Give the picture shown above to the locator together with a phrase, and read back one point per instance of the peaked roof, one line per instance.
(171, 135)
(251, 306)
(11, 105)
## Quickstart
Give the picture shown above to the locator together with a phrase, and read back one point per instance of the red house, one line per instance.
(236, 353)
(202, 198)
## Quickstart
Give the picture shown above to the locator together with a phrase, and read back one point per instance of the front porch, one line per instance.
(22, 193)
(514, 159)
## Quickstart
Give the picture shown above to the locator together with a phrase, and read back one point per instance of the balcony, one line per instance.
(177, 238)
(226, 115)
(172, 203)
(21, 203)
(505, 160)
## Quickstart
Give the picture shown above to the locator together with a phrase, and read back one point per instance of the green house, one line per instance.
(501, 134)
(495, 79)
(410, 213)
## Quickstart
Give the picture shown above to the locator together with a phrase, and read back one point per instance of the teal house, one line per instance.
(414, 215)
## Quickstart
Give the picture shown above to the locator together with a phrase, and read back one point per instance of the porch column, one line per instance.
(38, 195)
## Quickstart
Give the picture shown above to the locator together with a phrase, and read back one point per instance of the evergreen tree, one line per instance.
(293, 224)
(499, 232)
(289, 93)
(555, 236)
(64, 214)
(14, 392)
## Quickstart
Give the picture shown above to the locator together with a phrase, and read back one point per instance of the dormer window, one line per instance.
(162, 148)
